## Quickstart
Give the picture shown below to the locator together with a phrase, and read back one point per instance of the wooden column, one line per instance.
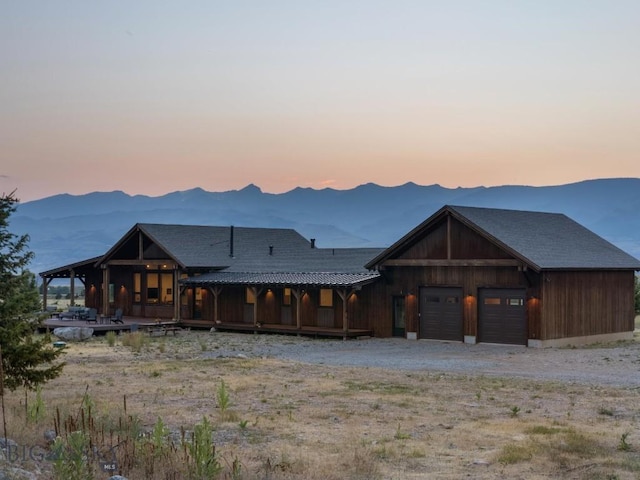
(256, 293)
(45, 292)
(344, 295)
(105, 290)
(216, 293)
(176, 294)
(297, 293)
(72, 287)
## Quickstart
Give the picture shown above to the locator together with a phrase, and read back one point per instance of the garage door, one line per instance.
(502, 316)
(441, 313)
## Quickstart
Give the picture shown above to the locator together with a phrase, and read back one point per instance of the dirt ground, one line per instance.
(373, 408)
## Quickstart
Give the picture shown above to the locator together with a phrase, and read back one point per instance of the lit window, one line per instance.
(137, 287)
(286, 296)
(326, 297)
(251, 298)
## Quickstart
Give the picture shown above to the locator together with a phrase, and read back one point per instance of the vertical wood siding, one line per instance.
(581, 303)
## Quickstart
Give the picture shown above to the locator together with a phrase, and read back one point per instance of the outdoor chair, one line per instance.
(92, 316)
(117, 317)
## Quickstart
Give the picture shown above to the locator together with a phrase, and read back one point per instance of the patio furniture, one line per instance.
(117, 317)
(74, 313)
(92, 316)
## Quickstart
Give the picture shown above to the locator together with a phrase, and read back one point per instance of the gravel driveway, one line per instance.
(614, 365)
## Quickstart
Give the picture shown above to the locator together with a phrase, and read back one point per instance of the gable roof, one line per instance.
(541, 240)
(254, 255)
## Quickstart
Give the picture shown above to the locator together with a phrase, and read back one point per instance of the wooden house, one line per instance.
(229, 278)
(465, 274)
(504, 276)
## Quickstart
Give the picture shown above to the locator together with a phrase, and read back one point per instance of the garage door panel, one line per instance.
(502, 316)
(441, 313)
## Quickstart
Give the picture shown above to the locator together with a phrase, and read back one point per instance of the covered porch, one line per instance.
(317, 304)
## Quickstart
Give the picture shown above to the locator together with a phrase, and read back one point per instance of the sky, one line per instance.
(152, 97)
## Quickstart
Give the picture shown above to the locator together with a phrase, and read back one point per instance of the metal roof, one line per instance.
(317, 279)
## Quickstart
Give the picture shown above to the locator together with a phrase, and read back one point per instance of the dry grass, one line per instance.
(289, 420)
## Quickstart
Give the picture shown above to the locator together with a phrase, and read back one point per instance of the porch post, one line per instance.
(45, 291)
(296, 293)
(176, 294)
(344, 296)
(105, 289)
(216, 292)
(72, 287)
(256, 292)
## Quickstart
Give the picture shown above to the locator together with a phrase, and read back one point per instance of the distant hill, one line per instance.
(69, 228)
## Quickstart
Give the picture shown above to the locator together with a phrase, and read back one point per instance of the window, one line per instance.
(492, 301)
(159, 288)
(286, 296)
(515, 302)
(326, 297)
(153, 281)
(137, 288)
(250, 296)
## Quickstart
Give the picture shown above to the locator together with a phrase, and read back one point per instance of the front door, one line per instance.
(197, 303)
(398, 317)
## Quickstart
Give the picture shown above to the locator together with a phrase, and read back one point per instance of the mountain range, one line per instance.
(65, 228)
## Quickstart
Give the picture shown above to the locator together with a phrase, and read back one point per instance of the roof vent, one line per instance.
(270, 249)
(313, 243)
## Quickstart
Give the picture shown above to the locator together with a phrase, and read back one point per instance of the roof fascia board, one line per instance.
(415, 232)
(138, 228)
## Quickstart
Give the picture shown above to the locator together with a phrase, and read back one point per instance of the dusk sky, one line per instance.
(152, 97)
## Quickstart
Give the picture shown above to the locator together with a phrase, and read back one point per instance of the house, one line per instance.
(504, 276)
(465, 274)
(236, 278)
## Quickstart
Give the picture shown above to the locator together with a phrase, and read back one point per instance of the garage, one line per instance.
(502, 316)
(441, 313)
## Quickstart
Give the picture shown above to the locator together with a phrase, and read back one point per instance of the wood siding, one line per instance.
(462, 243)
(406, 281)
(579, 303)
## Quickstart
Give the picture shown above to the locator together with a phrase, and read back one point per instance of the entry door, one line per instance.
(398, 317)
(441, 313)
(502, 316)
(197, 303)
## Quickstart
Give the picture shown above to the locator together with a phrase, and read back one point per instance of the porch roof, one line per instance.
(284, 279)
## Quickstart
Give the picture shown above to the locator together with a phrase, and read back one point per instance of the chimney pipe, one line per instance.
(270, 249)
(231, 241)
(313, 243)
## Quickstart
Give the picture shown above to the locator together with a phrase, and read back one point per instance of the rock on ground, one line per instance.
(73, 333)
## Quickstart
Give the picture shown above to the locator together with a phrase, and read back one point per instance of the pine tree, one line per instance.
(26, 361)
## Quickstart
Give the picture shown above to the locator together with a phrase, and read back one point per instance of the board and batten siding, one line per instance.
(580, 303)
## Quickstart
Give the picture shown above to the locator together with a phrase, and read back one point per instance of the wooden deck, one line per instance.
(138, 323)
(99, 328)
(292, 330)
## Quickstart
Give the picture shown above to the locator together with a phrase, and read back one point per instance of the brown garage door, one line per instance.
(502, 316)
(441, 313)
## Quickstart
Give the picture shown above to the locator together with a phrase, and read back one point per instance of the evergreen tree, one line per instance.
(27, 361)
